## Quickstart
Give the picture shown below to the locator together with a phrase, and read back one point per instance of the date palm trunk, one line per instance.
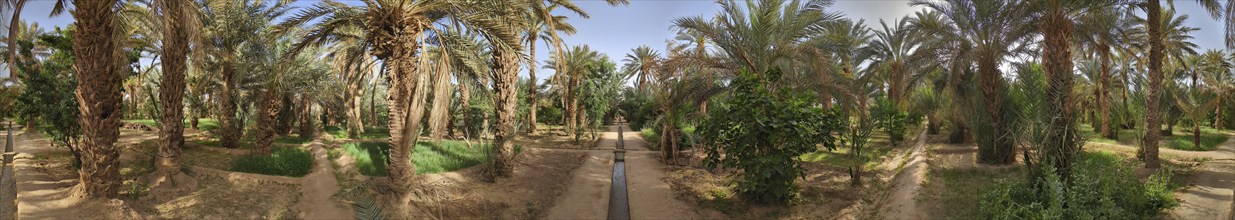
(1149, 146)
(506, 64)
(229, 131)
(267, 112)
(13, 23)
(98, 50)
(1060, 147)
(532, 93)
(1104, 93)
(306, 129)
(998, 148)
(171, 91)
(405, 101)
(353, 101)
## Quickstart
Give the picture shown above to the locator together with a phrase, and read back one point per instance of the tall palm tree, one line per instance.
(228, 26)
(1166, 36)
(179, 27)
(985, 33)
(639, 63)
(395, 32)
(1099, 30)
(894, 54)
(16, 6)
(97, 45)
(544, 25)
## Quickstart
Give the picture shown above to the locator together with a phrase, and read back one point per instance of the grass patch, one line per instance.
(1181, 140)
(1104, 187)
(217, 143)
(445, 156)
(294, 162)
(293, 140)
(878, 146)
(203, 123)
(651, 137)
(369, 133)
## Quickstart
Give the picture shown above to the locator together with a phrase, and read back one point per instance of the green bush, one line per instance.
(1103, 187)
(293, 162)
(890, 119)
(638, 109)
(651, 137)
(762, 132)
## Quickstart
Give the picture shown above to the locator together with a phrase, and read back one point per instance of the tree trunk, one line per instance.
(229, 131)
(267, 112)
(171, 91)
(997, 148)
(532, 93)
(1218, 118)
(287, 115)
(932, 124)
(1149, 147)
(13, 22)
(1104, 94)
(352, 97)
(405, 102)
(98, 93)
(506, 65)
(441, 99)
(306, 117)
(1060, 148)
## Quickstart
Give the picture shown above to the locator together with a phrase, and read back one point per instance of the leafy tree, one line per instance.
(49, 92)
(762, 131)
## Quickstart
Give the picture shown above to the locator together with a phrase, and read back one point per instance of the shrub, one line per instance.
(890, 119)
(763, 132)
(651, 137)
(1103, 187)
(293, 162)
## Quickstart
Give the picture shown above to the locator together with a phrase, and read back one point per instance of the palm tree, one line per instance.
(639, 63)
(229, 25)
(1219, 82)
(179, 27)
(544, 25)
(893, 53)
(395, 30)
(1166, 36)
(758, 45)
(1098, 30)
(16, 6)
(97, 45)
(983, 33)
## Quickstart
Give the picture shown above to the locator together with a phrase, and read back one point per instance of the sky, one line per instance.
(615, 30)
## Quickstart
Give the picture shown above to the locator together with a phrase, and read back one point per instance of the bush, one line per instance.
(763, 132)
(651, 137)
(637, 109)
(1103, 187)
(890, 119)
(293, 162)
(474, 124)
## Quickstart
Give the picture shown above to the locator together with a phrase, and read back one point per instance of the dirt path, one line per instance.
(587, 196)
(908, 184)
(317, 188)
(1210, 196)
(650, 196)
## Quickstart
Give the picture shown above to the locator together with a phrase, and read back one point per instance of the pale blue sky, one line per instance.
(617, 30)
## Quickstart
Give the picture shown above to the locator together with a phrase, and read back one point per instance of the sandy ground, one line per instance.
(908, 184)
(588, 195)
(650, 196)
(1210, 194)
(45, 184)
(317, 188)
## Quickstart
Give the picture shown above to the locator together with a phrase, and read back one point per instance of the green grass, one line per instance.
(447, 156)
(878, 146)
(947, 199)
(1181, 140)
(293, 140)
(369, 133)
(203, 124)
(294, 162)
(217, 143)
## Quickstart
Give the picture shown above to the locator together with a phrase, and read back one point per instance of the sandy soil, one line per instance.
(45, 184)
(588, 195)
(317, 188)
(465, 194)
(1209, 194)
(908, 184)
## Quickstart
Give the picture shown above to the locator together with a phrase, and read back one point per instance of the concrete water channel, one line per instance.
(619, 203)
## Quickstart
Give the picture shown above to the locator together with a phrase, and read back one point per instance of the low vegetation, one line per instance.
(294, 162)
(429, 157)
